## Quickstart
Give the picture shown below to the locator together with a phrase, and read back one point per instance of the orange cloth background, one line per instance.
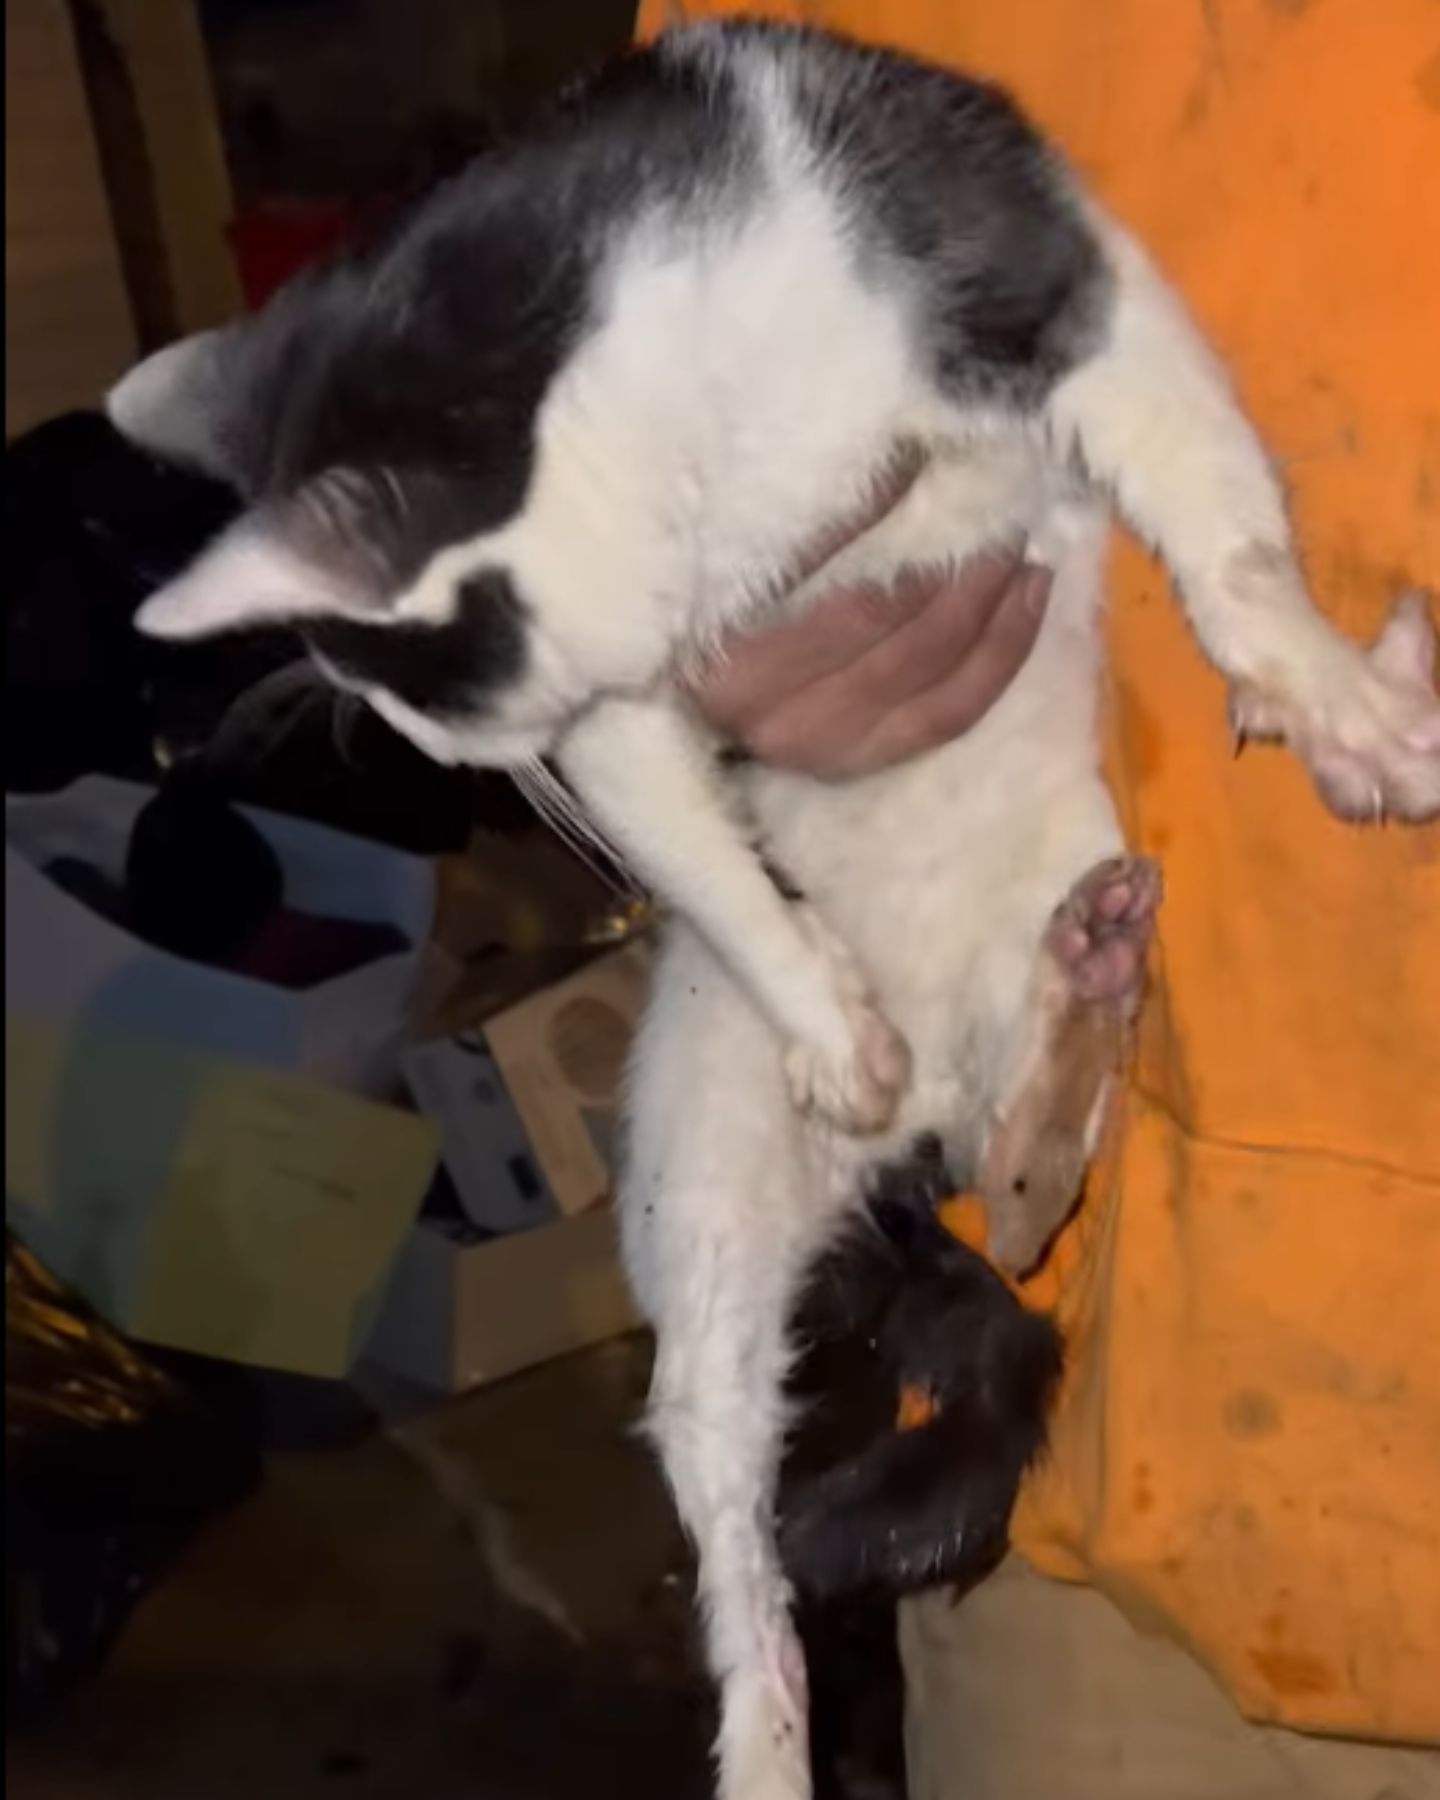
(1248, 1448)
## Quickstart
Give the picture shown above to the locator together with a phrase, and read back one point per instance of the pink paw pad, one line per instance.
(1100, 932)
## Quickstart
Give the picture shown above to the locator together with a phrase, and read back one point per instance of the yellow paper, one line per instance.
(207, 1204)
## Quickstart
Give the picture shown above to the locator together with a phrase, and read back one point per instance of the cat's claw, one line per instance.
(1366, 723)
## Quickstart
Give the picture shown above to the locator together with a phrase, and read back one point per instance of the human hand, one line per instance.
(866, 678)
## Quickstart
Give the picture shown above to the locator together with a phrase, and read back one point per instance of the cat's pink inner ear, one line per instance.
(249, 578)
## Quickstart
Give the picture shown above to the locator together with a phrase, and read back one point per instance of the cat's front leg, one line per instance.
(820, 1084)
(645, 772)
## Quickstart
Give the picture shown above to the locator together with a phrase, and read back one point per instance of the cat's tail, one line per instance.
(927, 1501)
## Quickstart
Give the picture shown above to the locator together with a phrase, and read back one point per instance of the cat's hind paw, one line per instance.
(1088, 988)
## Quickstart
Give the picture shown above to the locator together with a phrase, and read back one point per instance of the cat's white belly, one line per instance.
(940, 876)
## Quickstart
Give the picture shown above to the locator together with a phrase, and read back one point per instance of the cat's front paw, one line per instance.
(854, 1069)
(1365, 722)
(856, 1084)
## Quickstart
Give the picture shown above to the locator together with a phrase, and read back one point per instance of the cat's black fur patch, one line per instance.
(438, 669)
(946, 178)
(869, 1512)
(866, 1508)
(904, 1194)
(426, 354)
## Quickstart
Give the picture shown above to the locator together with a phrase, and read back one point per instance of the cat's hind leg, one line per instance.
(1084, 993)
(1151, 416)
(721, 1217)
(717, 1418)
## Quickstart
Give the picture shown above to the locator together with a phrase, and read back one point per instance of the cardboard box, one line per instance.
(540, 1081)
(562, 1053)
(459, 1313)
(498, 1182)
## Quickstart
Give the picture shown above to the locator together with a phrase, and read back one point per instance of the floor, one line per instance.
(489, 1600)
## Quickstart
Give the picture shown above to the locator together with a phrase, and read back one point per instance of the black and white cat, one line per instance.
(597, 403)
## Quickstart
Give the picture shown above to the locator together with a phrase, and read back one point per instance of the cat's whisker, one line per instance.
(557, 807)
(526, 780)
(530, 780)
(586, 831)
(396, 489)
(560, 824)
(346, 712)
(260, 719)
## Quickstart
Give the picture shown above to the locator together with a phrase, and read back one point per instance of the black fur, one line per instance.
(869, 1512)
(869, 1509)
(947, 179)
(857, 1700)
(442, 669)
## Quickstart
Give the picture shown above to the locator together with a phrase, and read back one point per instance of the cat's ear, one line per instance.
(251, 576)
(177, 403)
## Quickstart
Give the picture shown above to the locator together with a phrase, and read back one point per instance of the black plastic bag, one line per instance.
(112, 1465)
(94, 526)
